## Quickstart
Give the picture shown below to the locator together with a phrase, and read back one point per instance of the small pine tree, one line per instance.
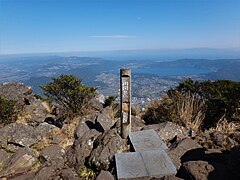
(69, 91)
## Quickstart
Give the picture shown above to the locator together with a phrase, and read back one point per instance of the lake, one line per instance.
(171, 71)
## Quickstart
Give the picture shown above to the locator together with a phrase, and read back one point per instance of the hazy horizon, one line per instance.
(143, 54)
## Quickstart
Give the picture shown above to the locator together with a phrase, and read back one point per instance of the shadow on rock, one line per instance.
(213, 165)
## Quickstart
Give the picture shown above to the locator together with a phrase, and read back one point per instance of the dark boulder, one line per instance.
(185, 150)
(56, 117)
(85, 125)
(25, 176)
(168, 130)
(202, 170)
(18, 92)
(82, 148)
(97, 102)
(35, 113)
(107, 145)
(105, 175)
(44, 130)
(4, 158)
(50, 169)
(51, 152)
(32, 109)
(215, 156)
(137, 124)
(21, 162)
(68, 174)
(104, 122)
(15, 135)
(234, 162)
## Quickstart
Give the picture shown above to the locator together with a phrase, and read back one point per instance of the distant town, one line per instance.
(104, 74)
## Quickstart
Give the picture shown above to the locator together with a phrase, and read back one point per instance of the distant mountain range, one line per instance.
(151, 78)
(220, 68)
(147, 54)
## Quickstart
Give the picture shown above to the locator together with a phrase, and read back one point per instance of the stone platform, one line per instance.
(142, 165)
(150, 159)
(146, 140)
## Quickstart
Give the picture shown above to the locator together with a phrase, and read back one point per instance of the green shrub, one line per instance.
(159, 110)
(222, 98)
(48, 100)
(68, 91)
(8, 112)
(195, 104)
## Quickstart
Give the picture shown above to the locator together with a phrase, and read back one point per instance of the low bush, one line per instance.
(189, 110)
(195, 104)
(158, 111)
(69, 91)
(184, 109)
(8, 111)
(222, 98)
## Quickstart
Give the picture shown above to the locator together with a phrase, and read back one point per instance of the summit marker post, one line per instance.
(125, 101)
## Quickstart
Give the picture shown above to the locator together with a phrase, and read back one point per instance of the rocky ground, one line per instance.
(42, 144)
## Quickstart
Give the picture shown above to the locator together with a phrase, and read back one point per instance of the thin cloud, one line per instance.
(139, 18)
(114, 36)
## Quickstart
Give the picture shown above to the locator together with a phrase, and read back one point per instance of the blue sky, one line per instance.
(34, 26)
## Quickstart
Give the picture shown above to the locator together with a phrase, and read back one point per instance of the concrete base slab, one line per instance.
(144, 165)
(146, 140)
(158, 163)
(130, 166)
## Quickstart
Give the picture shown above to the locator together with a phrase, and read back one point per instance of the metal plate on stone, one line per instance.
(146, 140)
(158, 163)
(130, 166)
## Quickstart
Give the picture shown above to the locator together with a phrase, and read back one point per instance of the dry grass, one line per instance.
(67, 131)
(23, 117)
(159, 110)
(226, 127)
(70, 126)
(36, 165)
(65, 136)
(87, 174)
(46, 141)
(1, 166)
(41, 144)
(152, 107)
(47, 106)
(187, 110)
(223, 128)
(190, 111)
